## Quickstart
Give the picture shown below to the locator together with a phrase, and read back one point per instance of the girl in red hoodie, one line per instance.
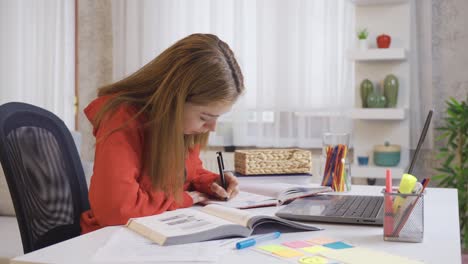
(149, 130)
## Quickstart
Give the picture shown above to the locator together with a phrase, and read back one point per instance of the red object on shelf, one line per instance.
(383, 41)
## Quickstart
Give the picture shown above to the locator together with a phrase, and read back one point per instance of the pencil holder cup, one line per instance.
(403, 216)
(335, 167)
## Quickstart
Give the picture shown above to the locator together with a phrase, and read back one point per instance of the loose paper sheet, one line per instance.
(127, 246)
(359, 255)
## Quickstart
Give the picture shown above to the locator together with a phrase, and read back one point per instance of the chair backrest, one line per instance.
(44, 175)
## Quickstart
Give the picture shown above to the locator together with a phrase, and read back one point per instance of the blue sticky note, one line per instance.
(337, 245)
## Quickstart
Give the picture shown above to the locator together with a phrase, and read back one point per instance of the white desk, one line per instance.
(441, 234)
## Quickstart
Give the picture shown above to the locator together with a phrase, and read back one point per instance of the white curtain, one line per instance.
(292, 53)
(37, 54)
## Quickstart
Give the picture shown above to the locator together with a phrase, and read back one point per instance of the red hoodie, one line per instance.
(120, 188)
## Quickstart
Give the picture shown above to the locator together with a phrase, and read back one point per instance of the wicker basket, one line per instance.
(272, 161)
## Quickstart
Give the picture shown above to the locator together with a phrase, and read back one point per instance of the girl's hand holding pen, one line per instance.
(232, 186)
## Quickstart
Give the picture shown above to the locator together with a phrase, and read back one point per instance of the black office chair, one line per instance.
(44, 175)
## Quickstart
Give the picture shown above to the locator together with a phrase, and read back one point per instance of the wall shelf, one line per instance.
(376, 171)
(377, 2)
(379, 113)
(374, 126)
(392, 54)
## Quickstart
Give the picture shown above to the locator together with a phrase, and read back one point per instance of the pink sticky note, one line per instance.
(296, 244)
(321, 240)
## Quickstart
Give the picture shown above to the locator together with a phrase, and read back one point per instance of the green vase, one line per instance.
(376, 100)
(366, 88)
(391, 90)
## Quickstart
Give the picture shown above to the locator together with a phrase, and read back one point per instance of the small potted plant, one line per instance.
(362, 36)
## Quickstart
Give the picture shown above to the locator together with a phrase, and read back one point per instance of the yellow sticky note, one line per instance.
(288, 253)
(313, 260)
(315, 249)
(272, 248)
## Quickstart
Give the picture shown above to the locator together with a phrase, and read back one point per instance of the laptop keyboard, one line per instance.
(355, 206)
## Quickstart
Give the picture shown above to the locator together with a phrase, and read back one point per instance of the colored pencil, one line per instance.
(334, 174)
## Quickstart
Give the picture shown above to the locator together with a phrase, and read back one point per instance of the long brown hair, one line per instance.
(200, 69)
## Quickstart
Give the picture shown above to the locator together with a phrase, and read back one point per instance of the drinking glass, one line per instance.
(335, 165)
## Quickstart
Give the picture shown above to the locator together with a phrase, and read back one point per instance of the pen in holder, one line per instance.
(405, 222)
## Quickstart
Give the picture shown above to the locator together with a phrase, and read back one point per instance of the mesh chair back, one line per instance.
(44, 175)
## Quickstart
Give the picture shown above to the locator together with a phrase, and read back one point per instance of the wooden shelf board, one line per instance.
(391, 54)
(378, 172)
(378, 113)
(378, 2)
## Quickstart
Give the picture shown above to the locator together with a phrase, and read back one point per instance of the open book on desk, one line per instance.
(210, 222)
(269, 194)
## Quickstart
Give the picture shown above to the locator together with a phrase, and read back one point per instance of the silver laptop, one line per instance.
(352, 209)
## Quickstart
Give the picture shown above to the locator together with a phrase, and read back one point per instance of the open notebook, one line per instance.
(210, 222)
(269, 194)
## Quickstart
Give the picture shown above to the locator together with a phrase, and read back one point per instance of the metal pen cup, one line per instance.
(403, 216)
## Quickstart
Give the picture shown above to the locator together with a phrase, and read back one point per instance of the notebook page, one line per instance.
(268, 189)
(245, 200)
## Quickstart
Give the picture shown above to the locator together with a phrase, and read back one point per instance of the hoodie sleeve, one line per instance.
(116, 193)
(203, 178)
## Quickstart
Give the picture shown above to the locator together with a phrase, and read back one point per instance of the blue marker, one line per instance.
(252, 241)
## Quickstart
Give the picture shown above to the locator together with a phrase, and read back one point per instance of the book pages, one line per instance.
(230, 214)
(179, 222)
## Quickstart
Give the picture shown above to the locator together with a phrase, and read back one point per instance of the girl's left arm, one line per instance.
(203, 178)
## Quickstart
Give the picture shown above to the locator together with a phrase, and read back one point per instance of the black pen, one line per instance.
(221, 170)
